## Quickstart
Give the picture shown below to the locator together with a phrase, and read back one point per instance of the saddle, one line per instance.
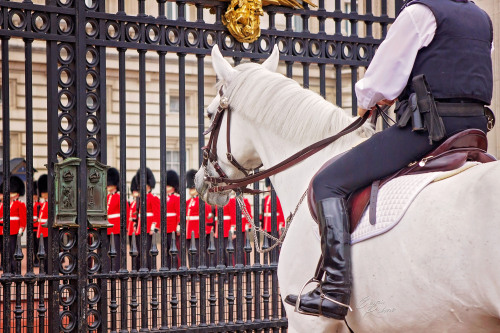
(468, 145)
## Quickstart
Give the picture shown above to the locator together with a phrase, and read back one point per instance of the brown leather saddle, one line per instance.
(468, 145)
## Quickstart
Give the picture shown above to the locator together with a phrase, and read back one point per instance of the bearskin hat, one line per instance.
(113, 177)
(268, 182)
(150, 177)
(42, 184)
(190, 178)
(134, 185)
(17, 186)
(173, 179)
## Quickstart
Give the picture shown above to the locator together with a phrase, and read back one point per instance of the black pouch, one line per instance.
(427, 107)
(409, 109)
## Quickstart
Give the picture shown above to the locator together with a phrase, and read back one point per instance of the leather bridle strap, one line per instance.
(241, 183)
(229, 155)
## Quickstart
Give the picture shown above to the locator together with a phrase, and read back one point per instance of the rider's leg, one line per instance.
(384, 153)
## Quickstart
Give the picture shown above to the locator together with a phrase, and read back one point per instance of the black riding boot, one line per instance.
(331, 298)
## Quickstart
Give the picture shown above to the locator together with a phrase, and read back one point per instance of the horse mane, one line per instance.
(272, 100)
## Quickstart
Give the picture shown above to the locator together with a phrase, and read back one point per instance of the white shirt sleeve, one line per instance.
(388, 73)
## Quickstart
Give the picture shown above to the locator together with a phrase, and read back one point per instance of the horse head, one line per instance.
(240, 134)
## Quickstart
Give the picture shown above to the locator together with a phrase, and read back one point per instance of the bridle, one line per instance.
(240, 185)
(210, 150)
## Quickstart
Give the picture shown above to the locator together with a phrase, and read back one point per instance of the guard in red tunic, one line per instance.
(193, 213)
(230, 224)
(173, 211)
(17, 220)
(266, 220)
(37, 206)
(114, 213)
(133, 215)
(153, 211)
(43, 215)
(133, 209)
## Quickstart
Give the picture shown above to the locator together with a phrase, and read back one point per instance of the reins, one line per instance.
(240, 184)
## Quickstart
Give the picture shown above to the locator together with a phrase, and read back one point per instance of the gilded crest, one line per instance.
(242, 17)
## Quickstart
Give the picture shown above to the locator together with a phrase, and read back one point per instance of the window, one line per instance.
(347, 23)
(174, 104)
(298, 23)
(173, 161)
(171, 11)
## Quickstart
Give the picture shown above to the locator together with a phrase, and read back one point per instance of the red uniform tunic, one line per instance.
(42, 219)
(37, 206)
(173, 212)
(1, 218)
(17, 217)
(267, 214)
(132, 217)
(193, 217)
(230, 216)
(152, 212)
(114, 213)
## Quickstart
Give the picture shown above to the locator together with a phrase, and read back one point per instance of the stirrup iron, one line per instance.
(297, 304)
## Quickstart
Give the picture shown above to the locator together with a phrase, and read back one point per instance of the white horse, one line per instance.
(438, 270)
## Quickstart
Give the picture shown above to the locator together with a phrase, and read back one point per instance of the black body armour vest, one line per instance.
(457, 63)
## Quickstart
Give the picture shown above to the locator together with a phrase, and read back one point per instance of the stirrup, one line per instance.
(297, 304)
(322, 295)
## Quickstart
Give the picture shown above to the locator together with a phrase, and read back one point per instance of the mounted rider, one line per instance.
(441, 51)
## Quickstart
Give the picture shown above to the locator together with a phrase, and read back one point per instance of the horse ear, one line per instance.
(272, 62)
(222, 67)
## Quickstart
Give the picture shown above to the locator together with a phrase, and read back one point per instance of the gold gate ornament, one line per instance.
(242, 17)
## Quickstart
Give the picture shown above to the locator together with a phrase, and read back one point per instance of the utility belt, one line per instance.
(426, 113)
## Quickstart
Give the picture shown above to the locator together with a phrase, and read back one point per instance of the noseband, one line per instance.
(240, 185)
(210, 150)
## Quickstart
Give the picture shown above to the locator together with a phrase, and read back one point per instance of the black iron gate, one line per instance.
(77, 291)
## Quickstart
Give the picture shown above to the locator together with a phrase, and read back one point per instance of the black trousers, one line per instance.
(381, 155)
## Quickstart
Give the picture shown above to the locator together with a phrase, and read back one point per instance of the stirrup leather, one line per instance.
(322, 295)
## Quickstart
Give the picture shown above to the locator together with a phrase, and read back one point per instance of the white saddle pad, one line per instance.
(393, 200)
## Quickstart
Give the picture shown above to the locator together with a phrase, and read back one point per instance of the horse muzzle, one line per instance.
(202, 187)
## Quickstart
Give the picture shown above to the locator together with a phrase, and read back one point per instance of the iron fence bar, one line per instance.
(193, 251)
(305, 75)
(221, 276)
(53, 149)
(30, 251)
(354, 79)
(384, 15)
(81, 152)
(123, 190)
(113, 306)
(165, 257)
(273, 257)
(322, 79)
(6, 183)
(265, 274)
(369, 11)
(257, 265)
(239, 264)
(154, 284)
(201, 142)
(143, 196)
(18, 310)
(182, 148)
